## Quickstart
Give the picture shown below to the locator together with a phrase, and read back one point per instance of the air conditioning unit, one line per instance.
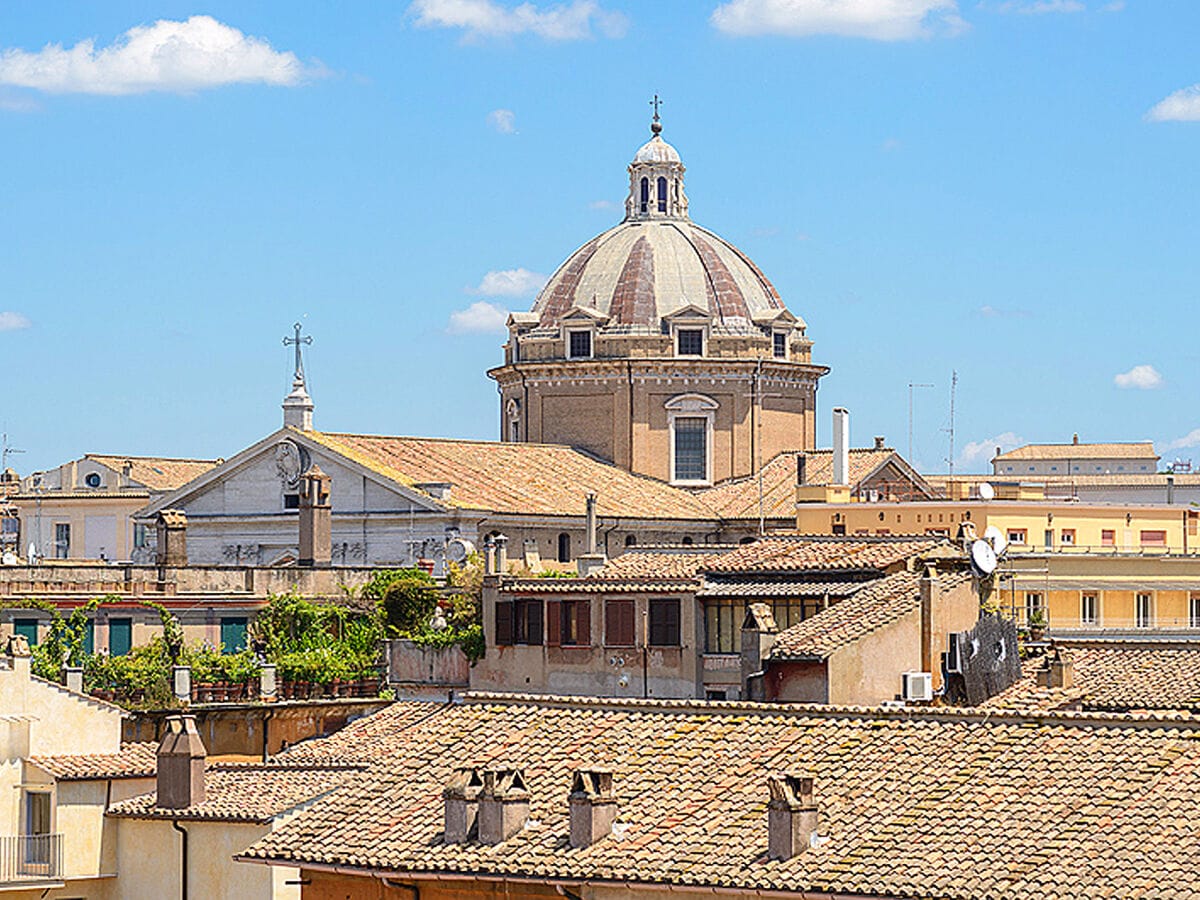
(918, 687)
(955, 654)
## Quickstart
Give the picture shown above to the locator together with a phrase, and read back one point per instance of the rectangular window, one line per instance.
(139, 536)
(10, 525)
(723, 626)
(1016, 535)
(1143, 611)
(1048, 538)
(580, 344)
(1154, 538)
(233, 634)
(664, 623)
(89, 637)
(1033, 607)
(1194, 612)
(618, 623)
(691, 449)
(62, 540)
(568, 623)
(1108, 537)
(792, 612)
(1087, 609)
(1067, 538)
(27, 628)
(779, 345)
(120, 636)
(690, 342)
(527, 622)
(291, 501)
(37, 812)
(504, 623)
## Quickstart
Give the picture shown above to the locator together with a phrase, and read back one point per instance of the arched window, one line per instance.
(687, 541)
(513, 414)
(564, 548)
(630, 540)
(662, 195)
(645, 194)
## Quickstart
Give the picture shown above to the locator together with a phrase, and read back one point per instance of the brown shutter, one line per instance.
(553, 623)
(504, 623)
(583, 627)
(618, 623)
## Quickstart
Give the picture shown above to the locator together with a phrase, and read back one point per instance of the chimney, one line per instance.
(841, 445)
(127, 474)
(759, 633)
(593, 806)
(1059, 670)
(879, 442)
(801, 466)
(20, 659)
(316, 542)
(503, 805)
(461, 798)
(791, 815)
(1075, 438)
(180, 764)
(501, 554)
(929, 590)
(489, 555)
(589, 560)
(171, 548)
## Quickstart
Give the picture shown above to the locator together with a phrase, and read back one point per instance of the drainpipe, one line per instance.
(183, 862)
(266, 754)
(646, 652)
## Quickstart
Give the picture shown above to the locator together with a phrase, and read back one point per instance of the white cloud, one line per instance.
(166, 56)
(993, 312)
(13, 321)
(976, 452)
(603, 204)
(480, 316)
(880, 20)
(510, 283)
(1144, 378)
(486, 18)
(1181, 106)
(503, 121)
(891, 145)
(1040, 7)
(1191, 439)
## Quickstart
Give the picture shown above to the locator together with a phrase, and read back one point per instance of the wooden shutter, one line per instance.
(553, 623)
(618, 623)
(533, 633)
(664, 623)
(583, 627)
(504, 623)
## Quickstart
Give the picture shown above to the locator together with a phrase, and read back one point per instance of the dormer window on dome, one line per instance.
(656, 180)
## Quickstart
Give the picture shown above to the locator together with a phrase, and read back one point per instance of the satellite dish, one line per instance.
(996, 538)
(458, 549)
(983, 558)
(986, 491)
(9, 558)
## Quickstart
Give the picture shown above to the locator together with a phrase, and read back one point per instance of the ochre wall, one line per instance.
(328, 886)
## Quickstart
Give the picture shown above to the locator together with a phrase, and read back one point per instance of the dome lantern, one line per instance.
(656, 179)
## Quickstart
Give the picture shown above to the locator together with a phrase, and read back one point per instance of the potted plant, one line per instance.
(1037, 624)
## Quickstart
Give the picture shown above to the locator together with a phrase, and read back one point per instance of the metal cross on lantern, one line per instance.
(297, 340)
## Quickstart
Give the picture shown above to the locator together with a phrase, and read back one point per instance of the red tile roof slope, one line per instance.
(365, 740)
(775, 554)
(158, 473)
(136, 760)
(912, 804)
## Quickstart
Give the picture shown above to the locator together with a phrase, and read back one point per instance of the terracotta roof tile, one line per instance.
(823, 553)
(136, 760)
(367, 739)
(1130, 450)
(158, 473)
(663, 562)
(911, 803)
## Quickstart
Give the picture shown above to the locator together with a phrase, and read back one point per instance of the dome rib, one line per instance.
(633, 297)
(562, 296)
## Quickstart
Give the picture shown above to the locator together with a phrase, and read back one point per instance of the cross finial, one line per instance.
(297, 340)
(656, 124)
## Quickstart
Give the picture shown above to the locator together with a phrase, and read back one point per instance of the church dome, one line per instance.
(656, 150)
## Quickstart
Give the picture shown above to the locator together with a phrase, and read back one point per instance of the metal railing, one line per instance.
(30, 857)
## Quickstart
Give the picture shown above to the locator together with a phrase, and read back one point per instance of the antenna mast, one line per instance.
(6, 450)
(953, 388)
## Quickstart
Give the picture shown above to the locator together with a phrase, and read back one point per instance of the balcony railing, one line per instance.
(30, 857)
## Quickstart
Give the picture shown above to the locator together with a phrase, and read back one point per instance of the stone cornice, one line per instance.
(658, 369)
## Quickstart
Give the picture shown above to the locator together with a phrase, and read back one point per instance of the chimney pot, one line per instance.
(461, 798)
(1075, 438)
(791, 814)
(1059, 671)
(879, 442)
(593, 806)
(501, 554)
(181, 758)
(801, 465)
(503, 805)
(841, 445)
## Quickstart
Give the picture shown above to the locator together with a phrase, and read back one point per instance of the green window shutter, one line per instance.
(28, 628)
(120, 636)
(233, 634)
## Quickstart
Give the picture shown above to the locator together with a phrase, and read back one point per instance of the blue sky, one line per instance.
(1002, 188)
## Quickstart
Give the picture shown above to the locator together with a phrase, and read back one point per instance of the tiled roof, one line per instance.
(159, 473)
(1132, 450)
(715, 586)
(776, 554)
(911, 803)
(245, 793)
(598, 585)
(136, 760)
(738, 499)
(530, 479)
(1116, 677)
(852, 619)
(365, 740)
(663, 562)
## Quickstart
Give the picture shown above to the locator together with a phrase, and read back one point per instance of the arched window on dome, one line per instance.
(564, 548)
(662, 195)
(513, 415)
(645, 194)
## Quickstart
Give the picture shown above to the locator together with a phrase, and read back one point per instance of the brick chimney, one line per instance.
(759, 633)
(589, 560)
(503, 805)
(316, 546)
(180, 764)
(461, 798)
(1058, 671)
(791, 815)
(593, 806)
(880, 443)
(501, 541)
(171, 549)
(801, 466)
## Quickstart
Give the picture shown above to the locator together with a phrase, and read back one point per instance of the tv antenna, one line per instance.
(950, 430)
(911, 385)
(6, 450)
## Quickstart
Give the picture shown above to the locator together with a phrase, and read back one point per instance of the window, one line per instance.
(120, 636)
(686, 540)
(92, 479)
(779, 345)
(1194, 612)
(1154, 538)
(139, 536)
(689, 342)
(527, 622)
(723, 626)
(233, 634)
(792, 612)
(711, 694)
(291, 501)
(691, 449)
(1033, 607)
(1016, 535)
(1087, 609)
(618, 623)
(1143, 611)
(645, 195)
(664, 623)
(27, 628)
(564, 548)
(1108, 537)
(579, 344)
(62, 540)
(662, 195)
(568, 623)
(1048, 538)
(514, 431)
(630, 540)
(1067, 538)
